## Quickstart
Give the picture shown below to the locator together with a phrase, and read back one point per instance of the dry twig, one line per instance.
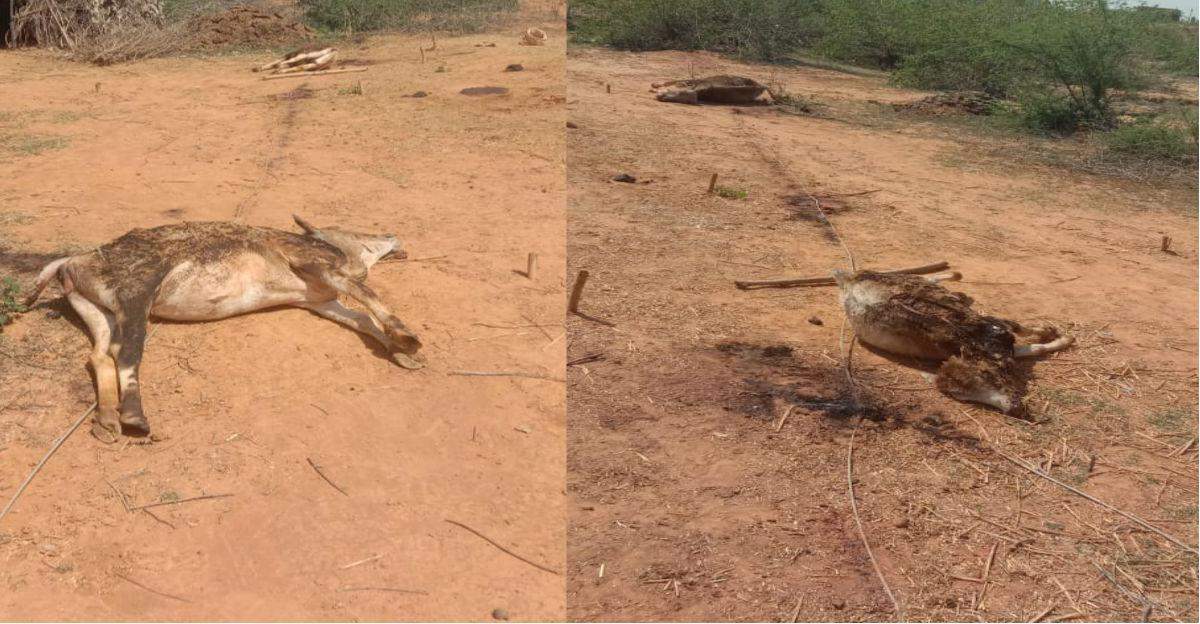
(503, 549)
(321, 473)
(45, 458)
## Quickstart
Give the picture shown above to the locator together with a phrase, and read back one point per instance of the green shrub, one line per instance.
(366, 15)
(756, 29)
(1048, 113)
(1149, 141)
(10, 303)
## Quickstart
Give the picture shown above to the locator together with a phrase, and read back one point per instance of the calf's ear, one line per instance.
(305, 225)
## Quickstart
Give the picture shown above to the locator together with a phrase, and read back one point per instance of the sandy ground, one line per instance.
(693, 498)
(469, 184)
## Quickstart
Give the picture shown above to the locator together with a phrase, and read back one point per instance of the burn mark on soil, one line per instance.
(772, 378)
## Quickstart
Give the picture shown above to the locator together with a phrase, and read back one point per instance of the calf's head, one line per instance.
(365, 248)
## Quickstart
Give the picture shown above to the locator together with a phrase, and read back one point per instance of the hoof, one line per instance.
(135, 426)
(411, 362)
(104, 434)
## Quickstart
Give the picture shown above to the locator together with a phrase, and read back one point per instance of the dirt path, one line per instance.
(469, 184)
(692, 499)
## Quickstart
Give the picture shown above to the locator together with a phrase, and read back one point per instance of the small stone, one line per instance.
(571, 124)
(624, 177)
(523, 428)
(815, 320)
(515, 67)
(419, 94)
(901, 523)
(499, 614)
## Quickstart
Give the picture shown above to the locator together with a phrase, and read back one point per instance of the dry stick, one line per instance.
(38, 467)
(1078, 492)
(149, 589)
(316, 73)
(577, 291)
(712, 184)
(464, 373)
(530, 265)
(789, 282)
(397, 590)
(360, 562)
(796, 612)
(503, 549)
(180, 501)
(317, 468)
(1041, 616)
(987, 575)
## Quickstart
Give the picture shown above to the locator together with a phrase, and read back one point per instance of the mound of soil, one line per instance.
(244, 25)
(955, 102)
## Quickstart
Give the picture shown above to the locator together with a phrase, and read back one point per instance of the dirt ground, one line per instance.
(693, 498)
(470, 185)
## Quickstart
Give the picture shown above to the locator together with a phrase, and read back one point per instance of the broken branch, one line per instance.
(829, 281)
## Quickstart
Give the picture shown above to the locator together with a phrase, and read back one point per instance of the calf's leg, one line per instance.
(106, 427)
(400, 337)
(362, 323)
(132, 320)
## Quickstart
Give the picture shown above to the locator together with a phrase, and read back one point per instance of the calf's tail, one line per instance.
(48, 273)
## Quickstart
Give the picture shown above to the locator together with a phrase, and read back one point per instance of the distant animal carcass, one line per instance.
(213, 270)
(711, 90)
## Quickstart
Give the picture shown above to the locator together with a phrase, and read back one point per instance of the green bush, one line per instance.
(756, 29)
(366, 15)
(1048, 113)
(10, 303)
(1149, 141)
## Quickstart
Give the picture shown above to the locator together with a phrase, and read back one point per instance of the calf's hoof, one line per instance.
(135, 425)
(411, 362)
(106, 426)
(106, 435)
(403, 341)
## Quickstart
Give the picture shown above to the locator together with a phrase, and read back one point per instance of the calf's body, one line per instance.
(209, 271)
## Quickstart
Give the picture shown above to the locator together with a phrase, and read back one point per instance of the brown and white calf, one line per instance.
(208, 271)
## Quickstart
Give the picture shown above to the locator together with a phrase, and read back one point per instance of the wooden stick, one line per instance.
(396, 590)
(1078, 492)
(324, 72)
(503, 549)
(180, 501)
(53, 448)
(712, 184)
(149, 589)
(360, 562)
(577, 291)
(530, 265)
(317, 468)
(924, 269)
(466, 373)
(1041, 616)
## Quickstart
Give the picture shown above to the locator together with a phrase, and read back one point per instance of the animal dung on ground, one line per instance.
(514, 67)
(533, 37)
(416, 94)
(916, 317)
(624, 177)
(720, 89)
(484, 91)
